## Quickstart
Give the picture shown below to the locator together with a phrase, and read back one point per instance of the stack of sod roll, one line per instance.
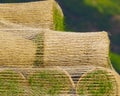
(37, 61)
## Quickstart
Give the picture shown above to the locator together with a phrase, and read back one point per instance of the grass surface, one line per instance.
(50, 82)
(96, 83)
(10, 84)
(58, 17)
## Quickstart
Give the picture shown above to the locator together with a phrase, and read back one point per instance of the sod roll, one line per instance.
(39, 14)
(74, 49)
(53, 82)
(98, 82)
(35, 82)
(16, 51)
(48, 48)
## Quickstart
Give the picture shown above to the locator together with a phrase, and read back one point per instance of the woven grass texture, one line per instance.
(50, 82)
(34, 82)
(94, 81)
(72, 49)
(98, 82)
(48, 48)
(55, 81)
(29, 50)
(16, 51)
(33, 14)
(11, 83)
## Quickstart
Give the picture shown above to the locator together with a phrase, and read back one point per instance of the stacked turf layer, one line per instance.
(54, 81)
(94, 81)
(34, 82)
(41, 14)
(49, 48)
(41, 48)
(72, 49)
(29, 47)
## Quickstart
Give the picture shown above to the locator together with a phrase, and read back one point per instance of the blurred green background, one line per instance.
(92, 15)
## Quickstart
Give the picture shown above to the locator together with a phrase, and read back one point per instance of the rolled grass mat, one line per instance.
(54, 81)
(37, 14)
(49, 48)
(74, 49)
(16, 51)
(11, 83)
(49, 82)
(98, 82)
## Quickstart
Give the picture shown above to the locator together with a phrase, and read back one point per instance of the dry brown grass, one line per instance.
(53, 48)
(74, 49)
(24, 42)
(16, 51)
(84, 51)
(34, 14)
